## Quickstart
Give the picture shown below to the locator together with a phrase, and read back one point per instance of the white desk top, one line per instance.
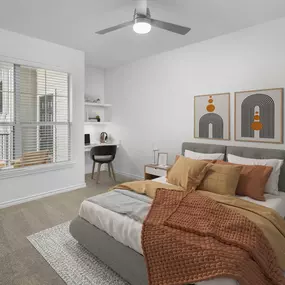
(88, 147)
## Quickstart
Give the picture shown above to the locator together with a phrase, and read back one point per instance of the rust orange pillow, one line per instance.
(252, 180)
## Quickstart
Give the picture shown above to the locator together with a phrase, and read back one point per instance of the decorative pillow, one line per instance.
(187, 173)
(271, 186)
(252, 180)
(221, 179)
(207, 160)
(203, 156)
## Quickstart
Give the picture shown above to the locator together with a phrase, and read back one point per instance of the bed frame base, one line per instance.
(129, 264)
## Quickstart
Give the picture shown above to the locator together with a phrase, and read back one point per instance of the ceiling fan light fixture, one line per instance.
(142, 26)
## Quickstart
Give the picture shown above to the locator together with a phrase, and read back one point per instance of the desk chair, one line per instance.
(103, 154)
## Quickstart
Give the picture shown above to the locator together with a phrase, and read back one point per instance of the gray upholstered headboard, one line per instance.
(250, 152)
(203, 148)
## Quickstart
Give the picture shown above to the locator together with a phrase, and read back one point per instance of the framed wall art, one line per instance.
(162, 159)
(212, 116)
(259, 115)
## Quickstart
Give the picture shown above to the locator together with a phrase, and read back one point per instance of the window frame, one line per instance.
(1, 97)
(9, 172)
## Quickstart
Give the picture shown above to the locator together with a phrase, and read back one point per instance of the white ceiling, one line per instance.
(73, 23)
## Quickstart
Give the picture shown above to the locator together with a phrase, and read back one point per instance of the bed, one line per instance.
(109, 235)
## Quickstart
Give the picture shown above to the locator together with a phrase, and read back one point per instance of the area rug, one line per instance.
(72, 262)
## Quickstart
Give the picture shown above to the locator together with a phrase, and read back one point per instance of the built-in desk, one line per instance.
(88, 147)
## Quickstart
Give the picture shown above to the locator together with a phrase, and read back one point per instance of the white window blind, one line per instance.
(34, 116)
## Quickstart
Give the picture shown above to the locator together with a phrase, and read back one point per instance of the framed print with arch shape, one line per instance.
(259, 116)
(212, 116)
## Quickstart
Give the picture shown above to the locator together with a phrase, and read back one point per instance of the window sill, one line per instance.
(31, 170)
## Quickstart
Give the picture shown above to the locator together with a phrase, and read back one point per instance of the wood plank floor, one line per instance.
(20, 263)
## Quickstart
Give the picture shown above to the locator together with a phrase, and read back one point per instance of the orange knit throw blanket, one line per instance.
(188, 238)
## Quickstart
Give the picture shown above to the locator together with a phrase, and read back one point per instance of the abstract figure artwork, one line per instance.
(259, 116)
(212, 116)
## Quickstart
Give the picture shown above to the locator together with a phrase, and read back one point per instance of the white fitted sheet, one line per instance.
(128, 231)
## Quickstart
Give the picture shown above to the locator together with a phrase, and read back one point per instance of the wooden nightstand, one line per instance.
(152, 171)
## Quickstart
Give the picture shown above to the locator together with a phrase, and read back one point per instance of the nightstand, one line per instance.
(152, 171)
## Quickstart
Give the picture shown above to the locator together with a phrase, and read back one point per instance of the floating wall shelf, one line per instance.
(98, 105)
(97, 123)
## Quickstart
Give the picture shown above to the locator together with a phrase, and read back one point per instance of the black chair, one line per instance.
(103, 154)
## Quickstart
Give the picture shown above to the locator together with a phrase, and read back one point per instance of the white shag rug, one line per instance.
(72, 262)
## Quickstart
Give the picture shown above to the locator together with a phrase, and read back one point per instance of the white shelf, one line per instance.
(97, 105)
(97, 123)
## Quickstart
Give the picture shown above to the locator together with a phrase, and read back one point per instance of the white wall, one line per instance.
(33, 52)
(94, 88)
(153, 98)
(94, 82)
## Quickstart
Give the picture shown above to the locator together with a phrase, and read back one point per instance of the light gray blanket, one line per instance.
(124, 202)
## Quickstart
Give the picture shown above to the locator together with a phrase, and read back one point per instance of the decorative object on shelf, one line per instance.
(212, 116)
(162, 159)
(92, 116)
(259, 115)
(89, 99)
(103, 137)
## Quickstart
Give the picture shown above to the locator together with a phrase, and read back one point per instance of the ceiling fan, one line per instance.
(142, 22)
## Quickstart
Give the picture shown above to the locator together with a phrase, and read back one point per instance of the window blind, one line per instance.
(34, 116)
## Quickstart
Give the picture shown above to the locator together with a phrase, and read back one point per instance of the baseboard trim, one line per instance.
(40, 195)
(136, 177)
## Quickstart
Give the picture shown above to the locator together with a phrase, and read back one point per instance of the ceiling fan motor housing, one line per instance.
(138, 18)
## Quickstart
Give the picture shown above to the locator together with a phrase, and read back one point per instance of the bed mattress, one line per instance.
(128, 231)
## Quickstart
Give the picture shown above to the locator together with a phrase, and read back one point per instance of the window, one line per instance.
(34, 116)
(1, 98)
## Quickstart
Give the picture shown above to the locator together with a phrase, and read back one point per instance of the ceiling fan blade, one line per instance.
(114, 28)
(181, 30)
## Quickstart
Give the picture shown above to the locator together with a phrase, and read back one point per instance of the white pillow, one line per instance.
(200, 156)
(271, 186)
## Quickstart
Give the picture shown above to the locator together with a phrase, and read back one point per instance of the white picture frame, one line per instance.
(162, 159)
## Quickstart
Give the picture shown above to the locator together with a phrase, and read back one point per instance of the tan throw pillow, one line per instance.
(187, 173)
(221, 179)
(252, 181)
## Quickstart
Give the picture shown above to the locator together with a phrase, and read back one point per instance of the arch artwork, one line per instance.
(259, 115)
(212, 116)
(266, 115)
(217, 123)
